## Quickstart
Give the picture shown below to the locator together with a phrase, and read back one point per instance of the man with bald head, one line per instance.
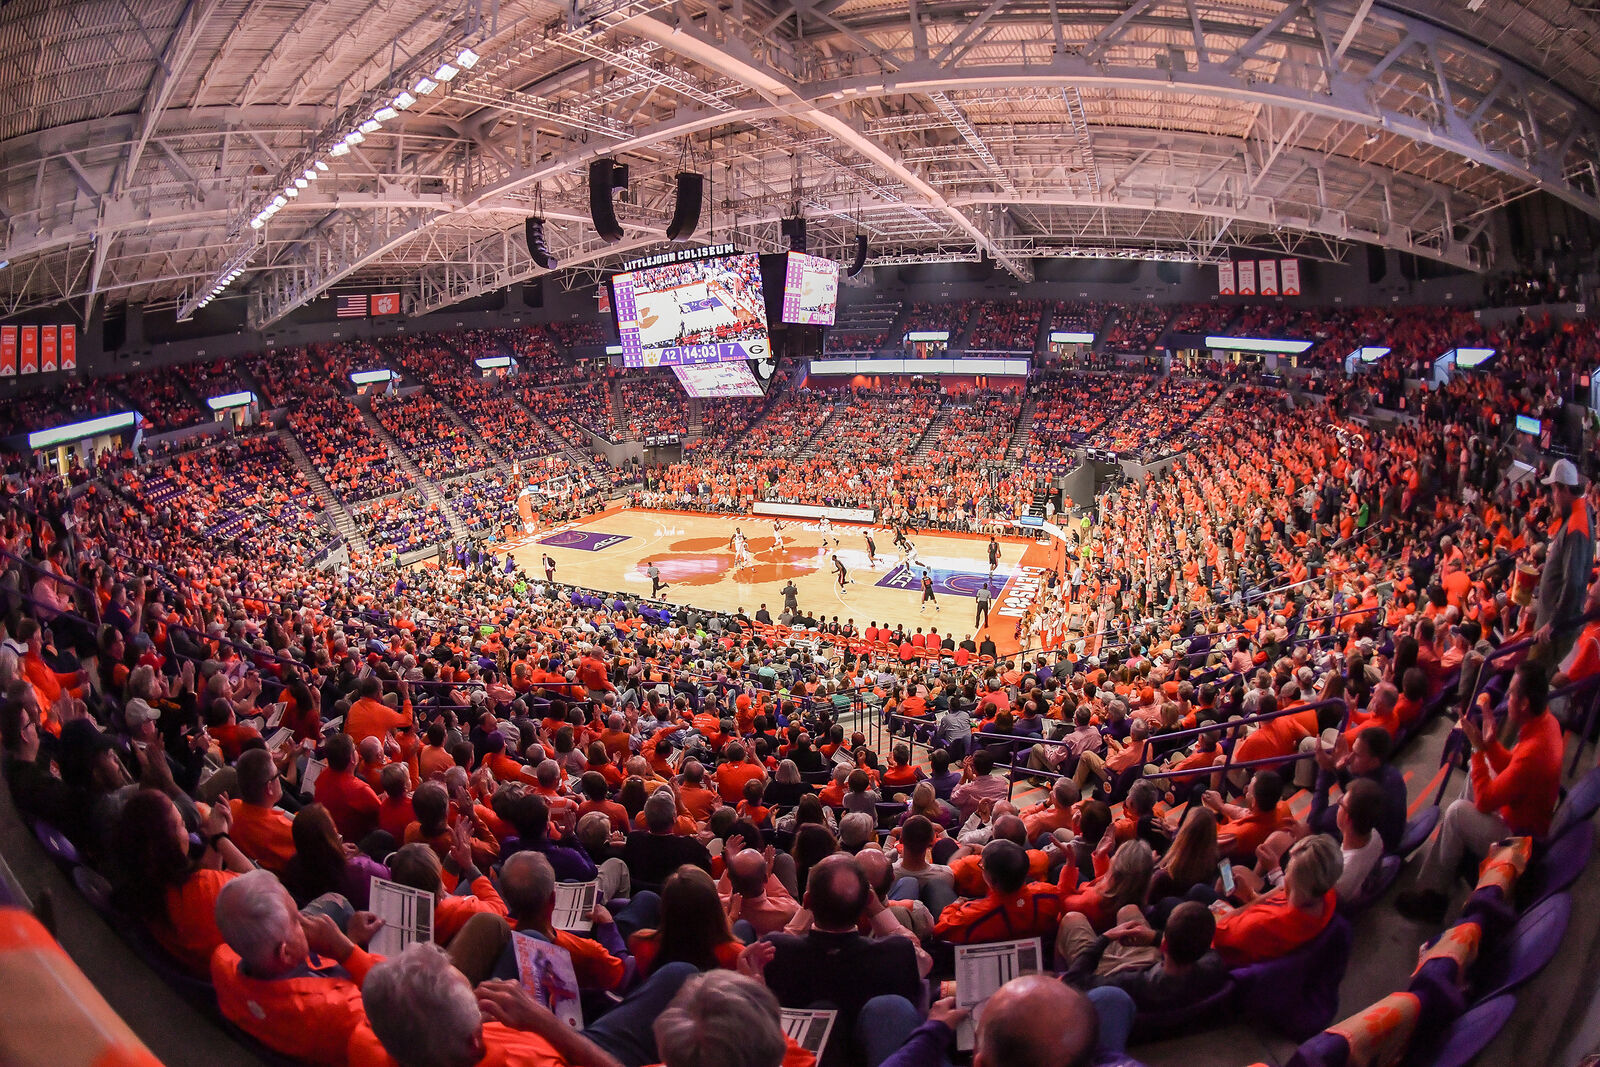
(1031, 1021)
(752, 893)
(833, 964)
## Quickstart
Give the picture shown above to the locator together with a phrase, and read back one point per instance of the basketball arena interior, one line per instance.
(860, 533)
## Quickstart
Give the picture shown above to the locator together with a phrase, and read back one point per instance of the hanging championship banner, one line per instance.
(1225, 278)
(1269, 277)
(1290, 269)
(8, 351)
(47, 348)
(30, 350)
(1247, 277)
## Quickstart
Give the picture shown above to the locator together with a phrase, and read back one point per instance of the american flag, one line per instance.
(353, 307)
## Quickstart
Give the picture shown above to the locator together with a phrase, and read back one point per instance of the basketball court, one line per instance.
(612, 551)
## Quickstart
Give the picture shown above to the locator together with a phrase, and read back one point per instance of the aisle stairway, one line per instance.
(1018, 445)
(333, 507)
(936, 425)
(430, 492)
(822, 431)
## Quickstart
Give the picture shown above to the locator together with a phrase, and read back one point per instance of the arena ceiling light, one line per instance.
(403, 100)
(466, 59)
(425, 86)
(384, 114)
(446, 72)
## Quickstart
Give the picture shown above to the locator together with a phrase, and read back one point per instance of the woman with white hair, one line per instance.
(1274, 925)
(422, 1012)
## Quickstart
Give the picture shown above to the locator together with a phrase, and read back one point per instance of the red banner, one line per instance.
(1225, 278)
(1291, 277)
(8, 351)
(385, 303)
(69, 347)
(30, 350)
(47, 349)
(1269, 277)
(1247, 277)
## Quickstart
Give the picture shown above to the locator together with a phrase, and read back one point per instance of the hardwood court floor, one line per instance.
(611, 551)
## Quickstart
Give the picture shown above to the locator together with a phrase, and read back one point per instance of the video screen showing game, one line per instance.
(703, 311)
(810, 290)
(712, 380)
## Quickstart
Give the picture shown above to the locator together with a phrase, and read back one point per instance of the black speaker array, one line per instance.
(604, 176)
(795, 231)
(861, 257)
(533, 232)
(686, 210)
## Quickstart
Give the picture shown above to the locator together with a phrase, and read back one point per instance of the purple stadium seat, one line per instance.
(1582, 801)
(1418, 829)
(1463, 1039)
(1557, 865)
(1215, 1010)
(1525, 950)
(1298, 994)
(1383, 876)
(55, 842)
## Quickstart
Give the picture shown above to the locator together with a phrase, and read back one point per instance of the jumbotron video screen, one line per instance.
(703, 311)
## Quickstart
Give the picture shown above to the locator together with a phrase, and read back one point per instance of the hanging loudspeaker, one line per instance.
(686, 212)
(533, 232)
(602, 173)
(861, 257)
(795, 231)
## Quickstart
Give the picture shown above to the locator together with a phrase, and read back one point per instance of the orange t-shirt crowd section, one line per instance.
(478, 735)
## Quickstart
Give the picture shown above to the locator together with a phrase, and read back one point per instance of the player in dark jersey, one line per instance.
(927, 592)
(839, 572)
(872, 549)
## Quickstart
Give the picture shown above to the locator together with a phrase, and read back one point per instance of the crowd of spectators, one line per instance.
(439, 445)
(482, 735)
(791, 425)
(876, 425)
(487, 502)
(1078, 316)
(1528, 287)
(354, 463)
(502, 422)
(1069, 407)
(1005, 326)
(949, 315)
(838, 342)
(586, 404)
(404, 522)
(978, 426)
(161, 397)
(58, 403)
(652, 402)
(1202, 318)
(1136, 329)
(1159, 423)
(251, 481)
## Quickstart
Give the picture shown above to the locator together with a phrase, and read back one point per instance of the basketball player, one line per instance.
(826, 529)
(994, 553)
(777, 536)
(839, 572)
(872, 548)
(911, 555)
(549, 568)
(927, 592)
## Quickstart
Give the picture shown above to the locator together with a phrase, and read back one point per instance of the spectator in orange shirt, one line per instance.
(158, 883)
(692, 792)
(472, 929)
(420, 1009)
(351, 801)
(371, 715)
(1243, 829)
(1274, 925)
(394, 808)
(262, 831)
(735, 771)
(1014, 907)
(290, 980)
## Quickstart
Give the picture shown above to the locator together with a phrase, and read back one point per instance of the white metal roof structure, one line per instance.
(168, 152)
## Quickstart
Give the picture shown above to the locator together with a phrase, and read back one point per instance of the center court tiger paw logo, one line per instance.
(707, 560)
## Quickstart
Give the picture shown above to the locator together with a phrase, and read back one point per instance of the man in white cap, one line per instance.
(1568, 556)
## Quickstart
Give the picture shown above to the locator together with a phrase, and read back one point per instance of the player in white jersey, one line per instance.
(826, 529)
(741, 549)
(777, 536)
(911, 555)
